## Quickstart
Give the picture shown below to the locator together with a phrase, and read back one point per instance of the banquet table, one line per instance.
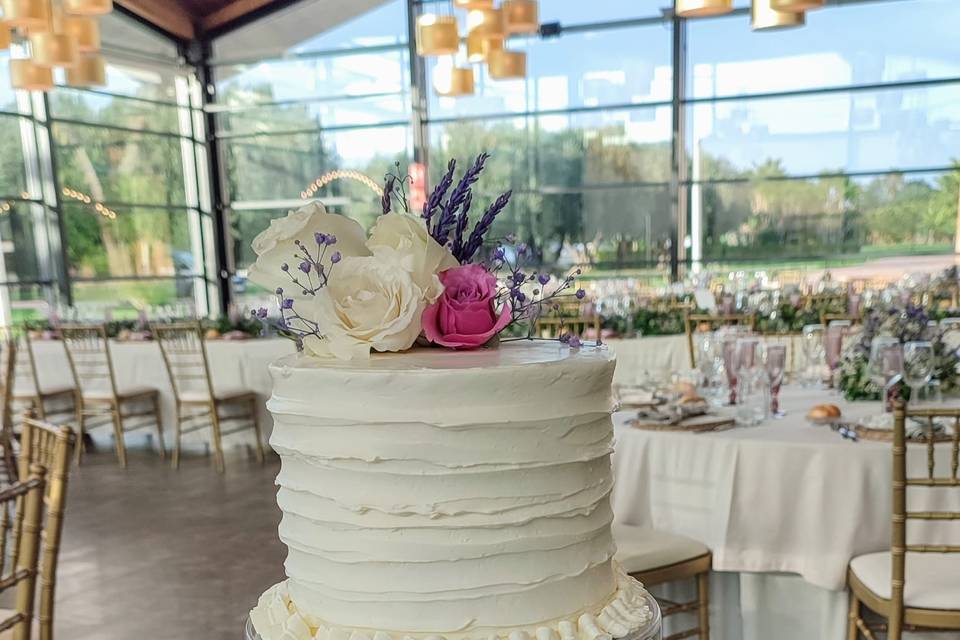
(784, 506)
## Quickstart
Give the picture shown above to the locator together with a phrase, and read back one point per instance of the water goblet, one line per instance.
(774, 358)
(833, 344)
(918, 366)
(885, 366)
(812, 344)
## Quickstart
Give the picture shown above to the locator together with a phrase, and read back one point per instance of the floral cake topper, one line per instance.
(417, 277)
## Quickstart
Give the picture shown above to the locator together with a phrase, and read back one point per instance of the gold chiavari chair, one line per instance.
(198, 402)
(48, 446)
(21, 517)
(8, 361)
(656, 557)
(570, 319)
(827, 318)
(88, 351)
(27, 389)
(694, 321)
(907, 585)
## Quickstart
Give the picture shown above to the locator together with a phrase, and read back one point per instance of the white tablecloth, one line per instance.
(233, 365)
(781, 497)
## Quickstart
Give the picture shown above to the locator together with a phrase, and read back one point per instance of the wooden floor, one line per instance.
(156, 554)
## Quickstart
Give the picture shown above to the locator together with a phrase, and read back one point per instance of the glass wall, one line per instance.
(833, 144)
(837, 142)
(311, 103)
(102, 203)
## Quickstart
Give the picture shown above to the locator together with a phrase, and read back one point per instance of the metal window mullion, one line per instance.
(419, 106)
(678, 166)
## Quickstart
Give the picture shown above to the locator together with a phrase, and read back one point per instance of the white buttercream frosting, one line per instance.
(447, 494)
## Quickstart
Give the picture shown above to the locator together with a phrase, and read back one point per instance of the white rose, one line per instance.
(405, 240)
(368, 304)
(274, 246)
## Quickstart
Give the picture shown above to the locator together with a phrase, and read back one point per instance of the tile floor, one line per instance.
(150, 553)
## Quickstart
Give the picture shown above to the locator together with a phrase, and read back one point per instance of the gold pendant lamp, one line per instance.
(6, 36)
(486, 22)
(85, 30)
(700, 8)
(53, 49)
(459, 82)
(765, 17)
(479, 46)
(473, 4)
(797, 5)
(437, 35)
(89, 71)
(26, 75)
(505, 65)
(521, 16)
(88, 7)
(28, 14)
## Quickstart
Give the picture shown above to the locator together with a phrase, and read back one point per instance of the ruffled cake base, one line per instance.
(276, 617)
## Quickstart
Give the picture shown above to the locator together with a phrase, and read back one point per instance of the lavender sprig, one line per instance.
(385, 200)
(475, 241)
(433, 203)
(448, 213)
(462, 220)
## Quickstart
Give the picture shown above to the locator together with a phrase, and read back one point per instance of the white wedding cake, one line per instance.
(448, 494)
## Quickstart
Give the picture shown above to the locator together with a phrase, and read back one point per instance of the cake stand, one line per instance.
(650, 632)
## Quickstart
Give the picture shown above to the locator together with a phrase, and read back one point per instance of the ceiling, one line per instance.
(189, 18)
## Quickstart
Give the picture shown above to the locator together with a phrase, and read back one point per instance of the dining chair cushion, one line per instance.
(642, 549)
(932, 579)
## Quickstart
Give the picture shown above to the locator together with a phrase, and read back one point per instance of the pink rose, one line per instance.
(465, 315)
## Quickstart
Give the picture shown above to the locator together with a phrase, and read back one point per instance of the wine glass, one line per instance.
(885, 366)
(918, 366)
(812, 350)
(774, 358)
(730, 364)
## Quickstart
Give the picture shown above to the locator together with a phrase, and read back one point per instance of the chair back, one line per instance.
(21, 518)
(185, 356)
(88, 352)
(49, 446)
(8, 362)
(24, 368)
(569, 318)
(693, 321)
(950, 480)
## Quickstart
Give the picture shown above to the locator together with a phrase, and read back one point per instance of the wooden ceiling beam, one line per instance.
(166, 14)
(231, 12)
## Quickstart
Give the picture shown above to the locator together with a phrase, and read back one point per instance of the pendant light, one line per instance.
(28, 14)
(29, 76)
(88, 7)
(520, 16)
(765, 17)
(53, 49)
(89, 71)
(699, 8)
(459, 82)
(6, 35)
(797, 5)
(504, 64)
(85, 30)
(473, 4)
(437, 35)
(487, 22)
(479, 46)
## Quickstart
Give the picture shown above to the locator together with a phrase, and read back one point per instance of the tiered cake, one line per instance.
(453, 494)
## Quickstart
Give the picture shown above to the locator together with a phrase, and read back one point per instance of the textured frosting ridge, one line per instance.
(448, 494)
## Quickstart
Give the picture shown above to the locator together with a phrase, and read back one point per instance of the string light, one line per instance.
(341, 174)
(99, 207)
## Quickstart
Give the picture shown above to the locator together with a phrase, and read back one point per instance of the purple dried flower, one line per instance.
(336, 257)
(499, 254)
(522, 249)
(331, 240)
(475, 241)
(581, 294)
(262, 313)
(321, 238)
(287, 303)
(433, 202)
(385, 201)
(543, 278)
(575, 342)
(279, 291)
(520, 297)
(305, 266)
(285, 267)
(565, 338)
(459, 197)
